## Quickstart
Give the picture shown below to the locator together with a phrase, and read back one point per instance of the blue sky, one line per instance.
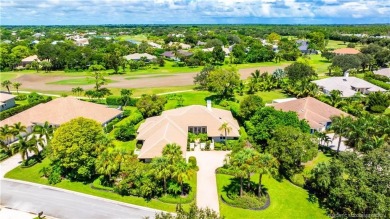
(73, 12)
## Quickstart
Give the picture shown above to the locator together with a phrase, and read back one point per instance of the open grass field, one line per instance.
(32, 175)
(287, 201)
(335, 44)
(139, 37)
(78, 81)
(320, 64)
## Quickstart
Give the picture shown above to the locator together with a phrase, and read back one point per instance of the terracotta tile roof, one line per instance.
(61, 110)
(346, 51)
(312, 110)
(172, 127)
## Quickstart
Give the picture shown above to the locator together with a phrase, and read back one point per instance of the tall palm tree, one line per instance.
(25, 145)
(182, 172)
(340, 126)
(161, 170)
(44, 131)
(240, 164)
(264, 164)
(6, 84)
(18, 128)
(16, 85)
(334, 98)
(226, 128)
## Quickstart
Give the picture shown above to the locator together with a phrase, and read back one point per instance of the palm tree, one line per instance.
(106, 164)
(161, 169)
(44, 131)
(77, 90)
(226, 128)
(6, 84)
(240, 164)
(25, 145)
(264, 164)
(18, 128)
(334, 98)
(173, 153)
(6, 132)
(182, 172)
(16, 85)
(340, 126)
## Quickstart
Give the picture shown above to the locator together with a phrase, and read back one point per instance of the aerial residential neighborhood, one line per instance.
(194, 109)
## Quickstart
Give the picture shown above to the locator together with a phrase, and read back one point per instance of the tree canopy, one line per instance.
(223, 81)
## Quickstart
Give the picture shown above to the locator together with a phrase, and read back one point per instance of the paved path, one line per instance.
(30, 197)
(9, 164)
(208, 162)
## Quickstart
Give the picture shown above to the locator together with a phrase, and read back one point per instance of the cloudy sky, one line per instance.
(49, 12)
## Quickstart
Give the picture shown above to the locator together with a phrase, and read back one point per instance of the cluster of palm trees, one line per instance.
(25, 143)
(246, 162)
(264, 81)
(365, 133)
(171, 170)
(7, 84)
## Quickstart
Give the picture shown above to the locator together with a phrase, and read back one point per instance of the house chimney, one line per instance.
(209, 104)
(346, 74)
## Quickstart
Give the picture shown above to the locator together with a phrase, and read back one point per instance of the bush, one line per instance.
(34, 97)
(113, 100)
(379, 83)
(125, 133)
(218, 146)
(31, 161)
(378, 109)
(53, 174)
(247, 201)
(192, 162)
(298, 180)
(110, 126)
(21, 97)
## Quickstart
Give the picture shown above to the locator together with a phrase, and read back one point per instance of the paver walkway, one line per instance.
(9, 164)
(208, 162)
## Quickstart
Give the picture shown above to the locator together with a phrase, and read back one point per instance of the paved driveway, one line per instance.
(208, 162)
(65, 204)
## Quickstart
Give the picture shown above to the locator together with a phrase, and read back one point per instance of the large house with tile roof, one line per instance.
(173, 127)
(315, 112)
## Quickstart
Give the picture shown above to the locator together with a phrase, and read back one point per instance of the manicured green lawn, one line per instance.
(139, 37)
(335, 44)
(287, 201)
(320, 64)
(190, 98)
(321, 157)
(32, 175)
(78, 81)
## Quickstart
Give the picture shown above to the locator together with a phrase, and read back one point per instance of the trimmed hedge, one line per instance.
(379, 83)
(113, 100)
(247, 201)
(15, 110)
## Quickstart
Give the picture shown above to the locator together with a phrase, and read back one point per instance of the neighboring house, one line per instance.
(37, 35)
(200, 43)
(137, 56)
(29, 60)
(383, 72)
(173, 127)
(61, 110)
(171, 54)
(155, 45)
(347, 85)
(346, 51)
(35, 42)
(81, 41)
(315, 112)
(226, 50)
(303, 46)
(55, 42)
(181, 45)
(6, 101)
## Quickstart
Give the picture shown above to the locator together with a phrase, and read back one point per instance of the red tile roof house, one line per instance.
(315, 112)
(346, 51)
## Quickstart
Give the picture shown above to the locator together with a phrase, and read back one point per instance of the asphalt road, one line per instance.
(62, 204)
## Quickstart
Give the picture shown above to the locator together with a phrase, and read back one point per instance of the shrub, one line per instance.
(34, 97)
(125, 133)
(247, 201)
(298, 180)
(31, 161)
(218, 146)
(192, 161)
(113, 100)
(378, 109)
(110, 126)
(53, 174)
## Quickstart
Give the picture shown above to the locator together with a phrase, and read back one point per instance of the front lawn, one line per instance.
(287, 201)
(32, 175)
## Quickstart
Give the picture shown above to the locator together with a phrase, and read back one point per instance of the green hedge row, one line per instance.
(116, 101)
(379, 83)
(15, 110)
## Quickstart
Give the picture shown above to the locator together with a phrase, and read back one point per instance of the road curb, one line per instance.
(85, 195)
